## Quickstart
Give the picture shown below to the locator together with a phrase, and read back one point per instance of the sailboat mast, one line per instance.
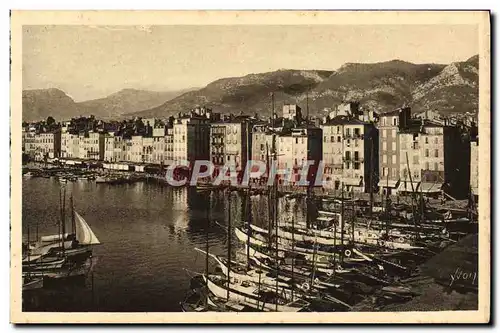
(335, 247)
(387, 207)
(342, 225)
(206, 250)
(353, 219)
(229, 243)
(342, 202)
(371, 177)
(275, 202)
(314, 260)
(293, 253)
(59, 224)
(248, 200)
(413, 195)
(63, 222)
(269, 200)
(29, 249)
(73, 226)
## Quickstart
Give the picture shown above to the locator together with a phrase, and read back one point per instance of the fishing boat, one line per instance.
(251, 294)
(252, 275)
(101, 180)
(32, 283)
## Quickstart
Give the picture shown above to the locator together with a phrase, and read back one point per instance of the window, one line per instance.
(356, 132)
(356, 156)
(394, 133)
(415, 159)
(324, 139)
(356, 165)
(332, 139)
(384, 145)
(394, 173)
(436, 153)
(384, 158)
(426, 140)
(347, 155)
(394, 121)
(348, 132)
(338, 129)
(405, 173)
(296, 140)
(435, 166)
(427, 153)
(393, 146)
(338, 138)
(426, 165)
(436, 140)
(393, 159)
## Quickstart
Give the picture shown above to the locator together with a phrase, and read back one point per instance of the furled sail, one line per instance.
(53, 238)
(84, 234)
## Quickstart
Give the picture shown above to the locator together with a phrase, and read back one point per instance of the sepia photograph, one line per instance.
(258, 166)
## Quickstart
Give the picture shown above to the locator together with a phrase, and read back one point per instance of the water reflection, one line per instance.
(148, 234)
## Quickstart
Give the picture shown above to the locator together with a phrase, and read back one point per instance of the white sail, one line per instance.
(84, 234)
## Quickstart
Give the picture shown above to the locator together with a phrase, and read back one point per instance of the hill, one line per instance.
(248, 94)
(125, 101)
(40, 103)
(380, 86)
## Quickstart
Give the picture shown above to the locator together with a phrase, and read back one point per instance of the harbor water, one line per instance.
(148, 233)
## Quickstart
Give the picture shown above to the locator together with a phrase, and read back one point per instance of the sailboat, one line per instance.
(63, 254)
(252, 294)
(31, 282)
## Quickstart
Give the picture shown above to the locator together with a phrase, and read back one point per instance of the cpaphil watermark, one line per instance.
(306, 173)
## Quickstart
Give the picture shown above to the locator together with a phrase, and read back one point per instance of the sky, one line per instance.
(89, 62)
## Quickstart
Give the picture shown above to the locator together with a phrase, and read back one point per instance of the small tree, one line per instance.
(50, 121)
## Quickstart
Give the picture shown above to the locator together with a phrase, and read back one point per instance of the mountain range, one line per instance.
(38, 104)
(382, 86)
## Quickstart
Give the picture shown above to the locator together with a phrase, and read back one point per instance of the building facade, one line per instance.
(114, 148)
(191, 139)
(43, 145)
(389, 126)
(297, 146)
(350, 154)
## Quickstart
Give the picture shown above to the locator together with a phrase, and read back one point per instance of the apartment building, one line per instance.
(295, 147)
(91, 146)
(147, 149)
(262, 139)
(350, 154)
(169, 145)
(230, 142)
(389, 126)
(43, 145)
(70, 145)
(114, 148)
(191, 138)
(433, 158)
